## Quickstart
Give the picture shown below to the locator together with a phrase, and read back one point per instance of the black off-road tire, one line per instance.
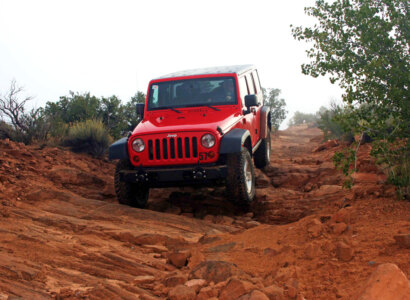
(261, 156)
(130, 194)
(241, 178)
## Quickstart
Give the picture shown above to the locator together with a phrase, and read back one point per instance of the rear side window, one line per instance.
(255, 86)
(250, 84)
(243, 88)
(257, 82)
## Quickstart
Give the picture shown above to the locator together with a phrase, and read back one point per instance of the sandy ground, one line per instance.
(63, 236)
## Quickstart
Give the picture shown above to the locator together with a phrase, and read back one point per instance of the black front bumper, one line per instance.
(176, 176)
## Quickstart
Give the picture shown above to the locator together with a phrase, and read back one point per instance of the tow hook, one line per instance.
(141, 176)
(199, 173)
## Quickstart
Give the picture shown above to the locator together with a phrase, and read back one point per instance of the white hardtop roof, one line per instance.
(239, 69)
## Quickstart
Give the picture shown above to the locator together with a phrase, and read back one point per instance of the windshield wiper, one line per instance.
(171, 108)
(207, 105)
(214, 108)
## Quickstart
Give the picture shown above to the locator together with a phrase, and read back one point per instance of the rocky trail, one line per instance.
(63, 236)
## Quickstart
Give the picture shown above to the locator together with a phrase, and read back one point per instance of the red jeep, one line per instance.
(199, 127)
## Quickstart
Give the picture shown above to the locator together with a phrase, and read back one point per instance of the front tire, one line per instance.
(130, 194)
(262, 154)
(241, 178)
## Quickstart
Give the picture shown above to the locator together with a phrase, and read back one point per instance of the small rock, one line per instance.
(215, 271)
(207, 293)
(326, 145)
(234, 289)
(387, 282)
(182, 292)
(174, 280)
(343, 251)
(274, 292)
(254, 295)
(196, 284)
(144, 279)
(251, 224)
(196, 258)
(339, 228)
(403, 240)
(315, 228)
(178, 259)
(342, 215)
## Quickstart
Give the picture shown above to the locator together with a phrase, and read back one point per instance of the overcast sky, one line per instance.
(115, 47)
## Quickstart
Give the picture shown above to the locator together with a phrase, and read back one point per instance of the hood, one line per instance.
(190, 119)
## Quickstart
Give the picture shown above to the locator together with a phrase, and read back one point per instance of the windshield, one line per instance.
(192, 92)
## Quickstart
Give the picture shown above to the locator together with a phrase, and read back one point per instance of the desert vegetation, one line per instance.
(364, 47)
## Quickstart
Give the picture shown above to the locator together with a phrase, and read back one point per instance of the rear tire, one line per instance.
(241, 178)
(130, 194)
(262, 154)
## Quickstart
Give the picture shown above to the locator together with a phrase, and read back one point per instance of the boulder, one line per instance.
(387, 282)
(207, 293)
(344, 252)
(274, 292)
(215, 271)
(235, 288)
(182, 292)
(178, 259)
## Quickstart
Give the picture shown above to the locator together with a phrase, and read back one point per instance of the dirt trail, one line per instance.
(63, 236)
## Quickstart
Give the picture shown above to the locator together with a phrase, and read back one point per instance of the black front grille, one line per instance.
(171, 148)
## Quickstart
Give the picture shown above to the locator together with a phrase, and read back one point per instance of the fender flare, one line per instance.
(119, 149)
(233, 141)
(265, 121)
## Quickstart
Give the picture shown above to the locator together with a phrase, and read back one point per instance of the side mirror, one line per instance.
(140, 109)
(251, 100)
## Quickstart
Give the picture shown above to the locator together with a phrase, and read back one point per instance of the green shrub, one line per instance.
(338, 123)
(6, 131)
(89, 136)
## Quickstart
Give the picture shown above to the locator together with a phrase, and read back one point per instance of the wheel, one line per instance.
(262, 154)
(241, 178)
(130, 194)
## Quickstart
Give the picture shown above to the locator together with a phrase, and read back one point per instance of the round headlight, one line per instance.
(208, 140)
(138, 145)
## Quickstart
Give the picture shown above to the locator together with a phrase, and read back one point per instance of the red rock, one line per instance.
(254, 295)
(343, 215)
(206, 293)
(178, 259)
(196, 258)
(344, 252)
(327, 145)
(387, 282)
(403, 240)
(174, 280)
(274, 292)
(196, 284)
(315, 228)
(251, 224)
(234, 289)
(182, 292)
(339, 228)
(215, 271)
(312, 251)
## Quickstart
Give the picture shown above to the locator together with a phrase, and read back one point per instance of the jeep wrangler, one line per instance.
(198, 127)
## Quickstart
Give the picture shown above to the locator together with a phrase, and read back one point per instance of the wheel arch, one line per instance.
(119, 149)
(233, 141)
(266, 123)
